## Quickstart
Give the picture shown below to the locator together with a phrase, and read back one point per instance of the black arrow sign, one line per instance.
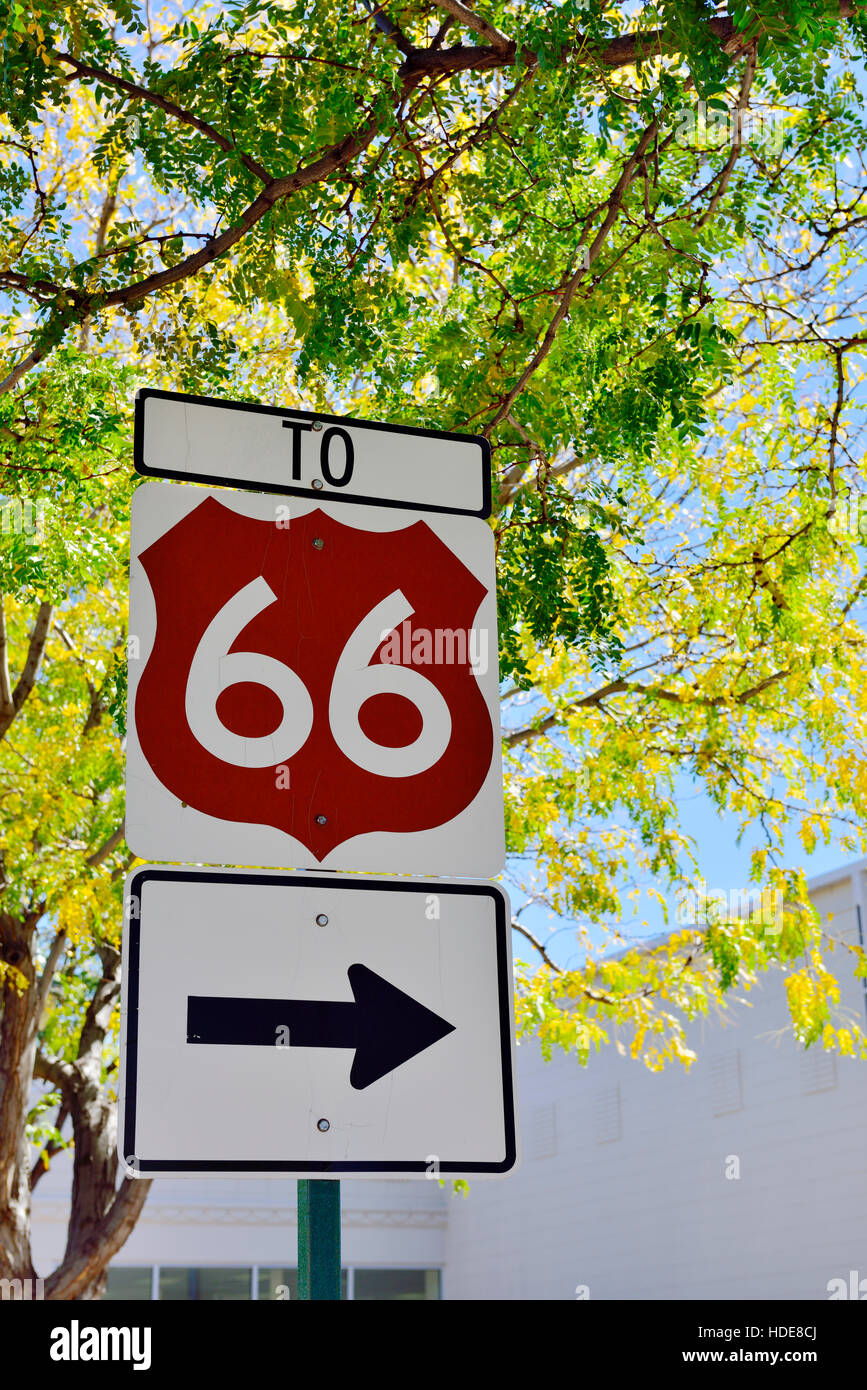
(385, 1026)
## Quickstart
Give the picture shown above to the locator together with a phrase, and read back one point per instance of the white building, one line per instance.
(744, 1178)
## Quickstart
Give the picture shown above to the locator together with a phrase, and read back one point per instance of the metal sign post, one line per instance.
(319, 1240)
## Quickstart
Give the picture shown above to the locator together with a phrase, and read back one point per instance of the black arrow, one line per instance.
(385, 1026)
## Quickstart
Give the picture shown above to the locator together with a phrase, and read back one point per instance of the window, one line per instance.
(274, 1283)
(129, 1284)
(544, 1131)
(389, 1284)
(205, 1284)
(607, 1126)
(818, 1072)
(187, 1284)
(283, 1283)
(726, 1088)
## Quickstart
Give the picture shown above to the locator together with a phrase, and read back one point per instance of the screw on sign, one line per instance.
(284, 686)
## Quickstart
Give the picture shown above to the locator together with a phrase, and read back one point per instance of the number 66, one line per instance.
(214, 668)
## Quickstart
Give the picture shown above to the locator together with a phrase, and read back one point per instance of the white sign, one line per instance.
(312, 685)
(368, 1034)
(294, 451)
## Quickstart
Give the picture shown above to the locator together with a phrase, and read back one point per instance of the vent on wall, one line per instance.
(607, 1126)
(726, 1084)
(544, 1131)
(818, 1071)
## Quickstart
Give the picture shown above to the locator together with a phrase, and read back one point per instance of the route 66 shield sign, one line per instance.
(311, 685)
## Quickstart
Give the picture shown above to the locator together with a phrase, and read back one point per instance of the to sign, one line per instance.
(312, 685)
(369, 1032)
(293, 451)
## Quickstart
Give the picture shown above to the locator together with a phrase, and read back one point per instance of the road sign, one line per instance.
(312, 685)
(315, 1025)
(297, 452)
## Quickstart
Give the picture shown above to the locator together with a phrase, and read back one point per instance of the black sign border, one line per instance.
(290, 414)
(131, 969)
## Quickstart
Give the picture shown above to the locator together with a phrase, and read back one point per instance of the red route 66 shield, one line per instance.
(313, 685)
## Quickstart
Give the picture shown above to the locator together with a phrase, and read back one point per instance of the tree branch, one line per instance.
(98, 1016)
(613, 206)
(385, 26)
(26, 680)
(685, 697)
(40, 1167)
(98, 857)
(516, 926)
(534, 730)
(139, 93)
(58, 946)
(475, 22)
(6, 706)
(24, 366)
(624, 51)
(737, 144)
(334, 158)
(64, 1075)
(78, 1271)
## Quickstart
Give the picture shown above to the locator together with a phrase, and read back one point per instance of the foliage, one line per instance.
(554, 586)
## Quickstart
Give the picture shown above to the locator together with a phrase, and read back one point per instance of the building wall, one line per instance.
(623, 1186)
(213, 1221)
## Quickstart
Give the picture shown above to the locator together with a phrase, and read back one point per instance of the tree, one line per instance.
(622, 243)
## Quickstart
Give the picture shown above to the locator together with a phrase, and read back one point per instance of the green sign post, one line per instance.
(319, 1239)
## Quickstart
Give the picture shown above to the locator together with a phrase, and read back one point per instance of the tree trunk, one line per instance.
(19, 1021)
(94, 1123)
(102, 1215)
